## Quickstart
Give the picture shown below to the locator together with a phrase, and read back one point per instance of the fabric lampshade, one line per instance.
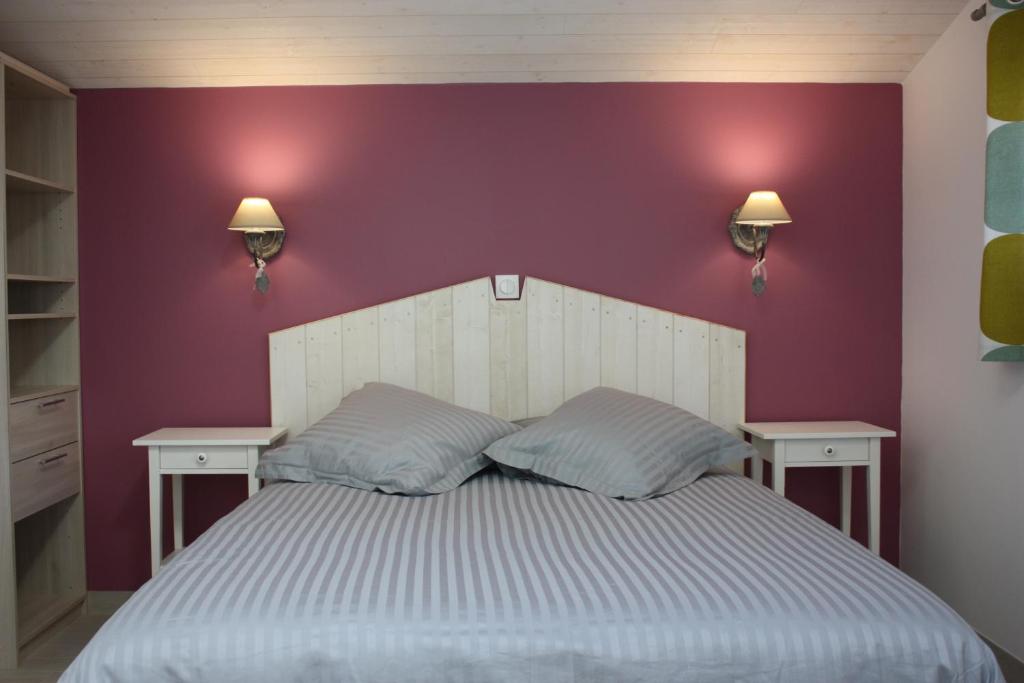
(255, 214)
(763, 208)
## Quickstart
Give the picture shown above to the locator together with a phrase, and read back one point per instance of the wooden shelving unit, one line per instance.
(42, 575)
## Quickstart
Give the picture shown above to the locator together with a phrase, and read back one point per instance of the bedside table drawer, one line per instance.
(204, 458)
(827, 450)
(41, 481)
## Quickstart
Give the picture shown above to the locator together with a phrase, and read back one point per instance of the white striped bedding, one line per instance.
(515, 580)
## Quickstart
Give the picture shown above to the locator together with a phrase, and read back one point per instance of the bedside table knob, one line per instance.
(201, 458)
(830, 450)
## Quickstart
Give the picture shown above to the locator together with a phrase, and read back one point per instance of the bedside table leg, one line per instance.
(847, 493)
(874, 496)
(757, 469)
(254, 460)
(176, 504)
(779, 475)
(155, 510)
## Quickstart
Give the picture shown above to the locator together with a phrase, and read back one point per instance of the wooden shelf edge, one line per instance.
(26, 182)
(45, 611)
(41, 316)
(36, 75)
(32, 393)
(22, 277)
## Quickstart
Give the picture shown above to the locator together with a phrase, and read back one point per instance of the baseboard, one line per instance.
(105, 603)
(1013, 668)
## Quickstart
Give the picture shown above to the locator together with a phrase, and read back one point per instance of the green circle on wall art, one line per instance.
(1011, 354)
(1005, 66)
(1002, 290)
(1004, 178)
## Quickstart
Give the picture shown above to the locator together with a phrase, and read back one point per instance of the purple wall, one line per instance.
(391, 190)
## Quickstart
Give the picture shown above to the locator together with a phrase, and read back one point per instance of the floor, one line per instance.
(1013, 669)
(46, 658)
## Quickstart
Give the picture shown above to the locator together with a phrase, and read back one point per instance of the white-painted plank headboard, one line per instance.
(513, 359)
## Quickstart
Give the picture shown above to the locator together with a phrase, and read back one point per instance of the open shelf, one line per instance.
(38, 391)
(40, 132)
(33, 299)
(23, 182)
(37, 612)
(48, 586)
(41, 242)
(43, 351)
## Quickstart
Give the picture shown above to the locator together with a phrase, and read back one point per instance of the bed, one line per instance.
(513, 579)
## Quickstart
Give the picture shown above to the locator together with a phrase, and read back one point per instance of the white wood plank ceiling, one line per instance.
(181, 43)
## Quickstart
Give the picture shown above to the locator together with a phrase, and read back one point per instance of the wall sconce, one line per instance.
(750, 226)
(263, 233)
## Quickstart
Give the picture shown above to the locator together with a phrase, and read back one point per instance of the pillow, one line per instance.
(386, 438)
(619, 445)
(516, 473)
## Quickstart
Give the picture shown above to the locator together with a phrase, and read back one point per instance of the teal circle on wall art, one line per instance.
(1004, 179)
(1008, 4)
(1011, 354)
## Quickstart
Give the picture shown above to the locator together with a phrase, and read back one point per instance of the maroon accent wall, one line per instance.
(391, 190)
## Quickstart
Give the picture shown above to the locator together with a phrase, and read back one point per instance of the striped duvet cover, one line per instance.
(514, 580)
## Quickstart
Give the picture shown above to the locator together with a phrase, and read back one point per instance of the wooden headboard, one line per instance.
(512, 359)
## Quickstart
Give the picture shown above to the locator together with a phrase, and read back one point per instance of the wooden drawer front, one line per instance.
(817, 450)
(43, 424)
(41, 481)
(203, 458)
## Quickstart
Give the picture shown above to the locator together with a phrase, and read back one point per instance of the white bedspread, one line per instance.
(514, 580)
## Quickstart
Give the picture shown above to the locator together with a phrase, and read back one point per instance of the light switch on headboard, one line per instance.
(506, 286)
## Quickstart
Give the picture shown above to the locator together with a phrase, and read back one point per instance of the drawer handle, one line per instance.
(52, 459)
(830, 450)
(201, 458)
(50, 404)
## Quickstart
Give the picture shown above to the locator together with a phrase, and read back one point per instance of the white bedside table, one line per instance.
(199, 450)
(822, 444)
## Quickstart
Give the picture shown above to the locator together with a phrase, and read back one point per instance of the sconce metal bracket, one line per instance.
(743, 236)
(264, 244)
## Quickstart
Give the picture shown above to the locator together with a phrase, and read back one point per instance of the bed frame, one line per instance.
(511, 358)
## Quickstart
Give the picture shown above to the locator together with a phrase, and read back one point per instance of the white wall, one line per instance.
(963, 420)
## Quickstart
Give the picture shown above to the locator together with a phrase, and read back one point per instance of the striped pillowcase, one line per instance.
(389, 439)
(619, 445)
